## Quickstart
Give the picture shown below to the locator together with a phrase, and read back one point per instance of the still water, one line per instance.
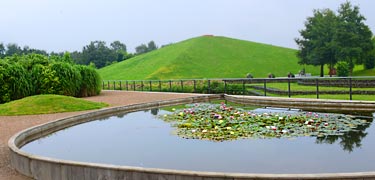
(141, 139)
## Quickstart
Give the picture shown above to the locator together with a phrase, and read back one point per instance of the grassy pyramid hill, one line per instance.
(208, 57)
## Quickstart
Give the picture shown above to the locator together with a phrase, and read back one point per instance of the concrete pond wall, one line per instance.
(45, 168)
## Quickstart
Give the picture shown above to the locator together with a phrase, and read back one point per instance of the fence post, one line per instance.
(150, 86)
(289, 88)
(109, 86)
(127, 89)
(159, 86)
(265, 87)
(317, 87)
(243, 87)
(134, 85)
(208, 86)
(103, 84)
(182, 86)
(195, 86)
(350, 88)
(170, 86)
(141, 85)
(120, 86)
(225, 87)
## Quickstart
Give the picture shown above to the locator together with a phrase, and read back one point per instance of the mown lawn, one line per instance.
(47, 104)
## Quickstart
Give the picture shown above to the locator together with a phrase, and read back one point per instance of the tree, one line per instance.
(118, 46)
(151, 46)
(317, 46)
(353, 36)
(13, 49)
(120, 50)
(2, 50)
(28, 50)
(370, 58)
(141, 49)
(98, 53)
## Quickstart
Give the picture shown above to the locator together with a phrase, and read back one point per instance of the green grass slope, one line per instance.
(208, 57)
(47, 104)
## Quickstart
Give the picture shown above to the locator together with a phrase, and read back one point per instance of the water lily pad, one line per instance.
(218, 123)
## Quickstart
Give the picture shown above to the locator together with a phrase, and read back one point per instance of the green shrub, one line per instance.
(342, 69)
(34, 74)
(249, 75)
(14, 80)
(291, 75)
(91, 81)
(69, 79)
(30, 60)
(271, 75)
(44, 80)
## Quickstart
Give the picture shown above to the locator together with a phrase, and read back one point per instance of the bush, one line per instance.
(69, 79)
(44, 80)
(271, 75)
(248, 75)
(14, 80)
(34, 74)
(91, 81)
(342, 69)
(291, 75)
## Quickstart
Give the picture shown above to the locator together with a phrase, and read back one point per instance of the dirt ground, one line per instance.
(10, 125)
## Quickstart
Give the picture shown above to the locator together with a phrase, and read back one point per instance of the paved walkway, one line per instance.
(9, 125)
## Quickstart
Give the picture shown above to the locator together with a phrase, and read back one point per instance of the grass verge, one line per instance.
(47, 104)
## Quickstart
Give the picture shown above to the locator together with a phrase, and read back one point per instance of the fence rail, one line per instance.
(315, 86)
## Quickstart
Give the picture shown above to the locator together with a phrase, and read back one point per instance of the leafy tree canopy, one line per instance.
(329, 38)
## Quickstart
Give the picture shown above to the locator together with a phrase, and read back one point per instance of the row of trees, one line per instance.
(32, 74)
(11, 49)
(329, 38)
(96, 54)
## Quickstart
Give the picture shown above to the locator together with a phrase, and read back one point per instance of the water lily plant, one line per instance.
(218, 122)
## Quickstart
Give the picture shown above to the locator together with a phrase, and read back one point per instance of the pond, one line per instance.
(143, 139)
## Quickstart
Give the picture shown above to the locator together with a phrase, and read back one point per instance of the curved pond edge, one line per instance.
(39, 167)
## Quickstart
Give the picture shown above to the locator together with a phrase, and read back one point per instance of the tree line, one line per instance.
(97, 54)
(340, 39)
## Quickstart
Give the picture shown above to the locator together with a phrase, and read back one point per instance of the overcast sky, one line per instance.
(68, 25)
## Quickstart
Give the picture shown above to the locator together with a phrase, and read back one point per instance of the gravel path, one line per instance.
(9, 125)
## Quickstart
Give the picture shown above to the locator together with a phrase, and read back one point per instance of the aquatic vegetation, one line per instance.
(218, 122)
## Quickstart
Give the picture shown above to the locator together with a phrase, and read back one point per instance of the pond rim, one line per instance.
(40, 167)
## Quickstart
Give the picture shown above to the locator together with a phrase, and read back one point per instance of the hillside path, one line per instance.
(10, 125)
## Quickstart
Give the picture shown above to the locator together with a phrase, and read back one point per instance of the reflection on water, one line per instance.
(140, 139)
(349, 140)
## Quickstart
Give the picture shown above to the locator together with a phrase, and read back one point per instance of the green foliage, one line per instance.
(143, 48)
(33, 74)
(370, 57)
(69, 79)
(91, 82)
(329, 38)
(271, 75)
(44, 79)
(343, 69)
(207, 57)
(317, 46)
(353, 35)
(14, 81)
(291, 75)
